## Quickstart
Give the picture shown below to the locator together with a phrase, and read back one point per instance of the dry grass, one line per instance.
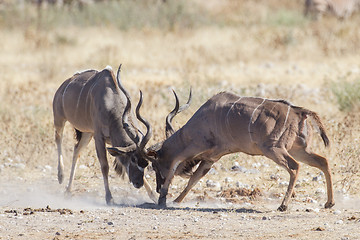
(248, 47)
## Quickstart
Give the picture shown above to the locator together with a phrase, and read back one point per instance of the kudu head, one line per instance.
(133, 157)
(152, 154)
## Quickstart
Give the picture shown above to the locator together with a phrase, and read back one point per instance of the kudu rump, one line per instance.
(93, 103)
(227, 123)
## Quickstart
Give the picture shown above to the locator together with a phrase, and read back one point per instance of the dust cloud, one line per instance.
(40, 195)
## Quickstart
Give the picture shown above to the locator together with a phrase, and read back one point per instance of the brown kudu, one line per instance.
(94, 105)
(226, 124)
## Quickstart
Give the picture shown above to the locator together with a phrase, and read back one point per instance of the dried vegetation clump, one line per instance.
(235, 194)
(30, 211)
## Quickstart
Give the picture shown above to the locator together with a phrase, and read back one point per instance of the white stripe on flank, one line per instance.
(227, 117)
(252, 115)
(286, 118)
(78, 101)
(287, 115)
(91, 89)
(63, 101)
(270, 112)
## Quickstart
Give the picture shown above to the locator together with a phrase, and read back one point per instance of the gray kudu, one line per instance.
(96, 106)
(228, 123)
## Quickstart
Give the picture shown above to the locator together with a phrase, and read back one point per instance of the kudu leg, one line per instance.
(165, 188)
(188, 153)
(101, 154)
(321, 163)
(203, 168)
(59, 129)
(83, 142)
(283, 158)
(149, 191)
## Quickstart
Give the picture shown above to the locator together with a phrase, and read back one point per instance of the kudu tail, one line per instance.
(320, 125)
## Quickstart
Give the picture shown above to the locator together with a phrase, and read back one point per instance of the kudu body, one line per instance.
(94, 105)
(226, 124)
(342, 9)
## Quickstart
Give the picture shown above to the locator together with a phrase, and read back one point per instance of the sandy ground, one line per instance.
(39, 210)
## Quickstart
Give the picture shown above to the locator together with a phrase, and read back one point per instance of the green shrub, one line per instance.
(347, 94)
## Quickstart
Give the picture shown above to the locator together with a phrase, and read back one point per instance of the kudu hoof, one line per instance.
(67, 194)
(162, 202)
(282, 208)
(329, 205)
(110, 201)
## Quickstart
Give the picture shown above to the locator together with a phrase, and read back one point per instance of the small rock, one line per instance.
(196, 219)
(241, 185)
(48, 167)
(339, 222)
(266, 218)
(238, 169)
(283, 183)
(317, 178)
(252, 171)
(19, 165)
(320, 191)
(319, 229)
(57, 233)
(212, 184)
(110, 223)
(228, 180)
(82, 166)
(337, 212)
(256, 165)
(274, 177)
(305, 180)
(212, 171)
(310, 200)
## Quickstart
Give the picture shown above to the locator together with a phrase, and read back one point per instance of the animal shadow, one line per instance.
(198, 209)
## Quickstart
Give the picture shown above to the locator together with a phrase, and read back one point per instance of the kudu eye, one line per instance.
(143, 163)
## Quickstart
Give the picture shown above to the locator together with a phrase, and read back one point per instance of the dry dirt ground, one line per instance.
(38, 209)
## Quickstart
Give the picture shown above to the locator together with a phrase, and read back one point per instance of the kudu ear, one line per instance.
(152, 154)
(117, 151)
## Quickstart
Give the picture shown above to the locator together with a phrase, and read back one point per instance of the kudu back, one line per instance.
(228, 123)
(94, 105)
